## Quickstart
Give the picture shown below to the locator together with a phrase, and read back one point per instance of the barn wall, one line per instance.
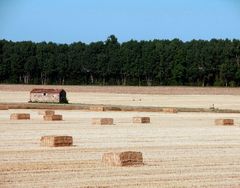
(48, 97)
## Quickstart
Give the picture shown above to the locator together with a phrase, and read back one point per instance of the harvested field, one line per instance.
(179, 150)
(223, 98)
(158, 90)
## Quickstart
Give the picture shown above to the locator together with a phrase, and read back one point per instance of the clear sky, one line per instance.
(67, 21)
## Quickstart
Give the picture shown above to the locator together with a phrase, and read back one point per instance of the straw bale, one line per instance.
(19, 116)
(141, 119)
(56, 141)
(170, 110)
(126, 158)
(224, 122)
(54, 117)
(102, 121)
(97, 108)
(3, 107)
(46, 112)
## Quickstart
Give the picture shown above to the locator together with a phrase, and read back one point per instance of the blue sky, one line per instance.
(67, 21)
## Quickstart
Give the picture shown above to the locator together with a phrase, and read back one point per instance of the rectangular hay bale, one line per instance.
(97, 108)
(19, 116)
(170, 110)
(3, 107)
(141, 119)
(46, 112)
(102, 121)
(224, 122)
(56, 141)
(127, 158)
(54, 117)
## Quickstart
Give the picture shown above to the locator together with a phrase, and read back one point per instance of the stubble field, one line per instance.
(179, 150)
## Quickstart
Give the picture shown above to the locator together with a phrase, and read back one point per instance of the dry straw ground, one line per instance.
(191, 97)
(179, 150)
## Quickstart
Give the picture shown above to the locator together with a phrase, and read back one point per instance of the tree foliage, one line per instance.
(157, 62)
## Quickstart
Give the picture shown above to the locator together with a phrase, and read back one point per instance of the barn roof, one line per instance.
(46, 90)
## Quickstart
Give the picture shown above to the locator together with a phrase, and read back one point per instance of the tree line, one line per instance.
(157, 62)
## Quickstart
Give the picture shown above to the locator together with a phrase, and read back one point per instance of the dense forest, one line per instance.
(156, 62)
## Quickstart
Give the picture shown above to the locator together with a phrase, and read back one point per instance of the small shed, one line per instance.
(48, 96)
